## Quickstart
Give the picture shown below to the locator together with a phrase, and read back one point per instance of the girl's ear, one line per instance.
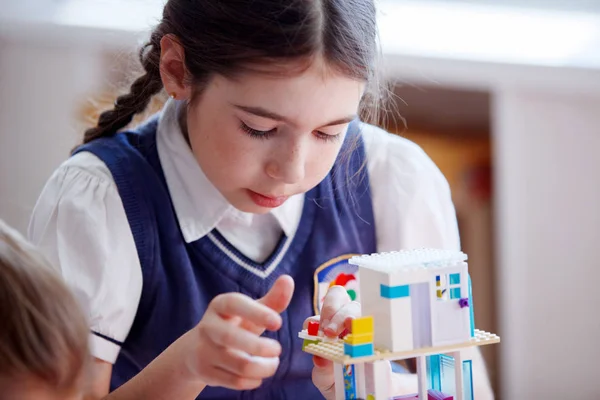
(172, 68)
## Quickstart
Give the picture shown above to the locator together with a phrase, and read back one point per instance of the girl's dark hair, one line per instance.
(228, 36)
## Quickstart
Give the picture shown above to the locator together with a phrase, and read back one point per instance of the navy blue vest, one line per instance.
(180, 279)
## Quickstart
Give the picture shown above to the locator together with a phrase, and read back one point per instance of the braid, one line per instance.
(138, 98)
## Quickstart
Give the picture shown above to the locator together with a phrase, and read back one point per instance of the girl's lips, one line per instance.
(266, 201)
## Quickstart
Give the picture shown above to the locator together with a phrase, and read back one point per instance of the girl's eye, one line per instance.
(256, 133)
(328, 138)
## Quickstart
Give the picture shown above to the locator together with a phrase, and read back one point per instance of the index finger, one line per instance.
(335, 299)
(238, 305)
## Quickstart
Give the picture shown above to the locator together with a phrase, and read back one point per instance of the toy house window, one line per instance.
(448, 286)
(454, 286)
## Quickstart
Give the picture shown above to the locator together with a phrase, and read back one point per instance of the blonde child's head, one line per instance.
(43, 332)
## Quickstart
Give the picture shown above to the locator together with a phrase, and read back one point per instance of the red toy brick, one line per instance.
(313, 328)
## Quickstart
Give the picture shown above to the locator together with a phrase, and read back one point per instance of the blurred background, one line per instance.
(503, 95)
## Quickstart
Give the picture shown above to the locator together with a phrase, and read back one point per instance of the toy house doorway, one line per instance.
(420, 294)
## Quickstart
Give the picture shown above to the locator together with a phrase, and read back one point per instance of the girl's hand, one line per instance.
(225, 348)
(336, 317)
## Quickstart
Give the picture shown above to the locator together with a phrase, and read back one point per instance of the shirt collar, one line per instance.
(198, 204)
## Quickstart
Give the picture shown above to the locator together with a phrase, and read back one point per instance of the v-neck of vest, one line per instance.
(228, 260)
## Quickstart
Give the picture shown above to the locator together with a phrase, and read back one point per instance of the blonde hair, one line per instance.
(43, 332)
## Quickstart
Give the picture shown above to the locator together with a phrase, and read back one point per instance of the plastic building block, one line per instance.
(352, 294)
(394, 292)
(361, 380)
(362, 325)
(431, 395)
(468, 379)
(455, 279)
(343, 334)
(361, 338)
(472, 312)
(320, 337)
(338, 378)
(313, 328)
(448, 373)
(334, 351)
(433, 372)
(307, 342)
(417, 299)
(409, 260)
(349, 382)
(359, 350)
(377, 382)
(437, 395)
(455, 293)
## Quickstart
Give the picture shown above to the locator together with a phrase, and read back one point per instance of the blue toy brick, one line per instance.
(359, 350)
(455, 293)
(349, 382)
(447, 374)
(468, 380)
(455, 279)
(471, 308)
(433, 372)
(394, 292)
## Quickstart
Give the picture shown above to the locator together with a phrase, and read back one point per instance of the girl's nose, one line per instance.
(288, 164)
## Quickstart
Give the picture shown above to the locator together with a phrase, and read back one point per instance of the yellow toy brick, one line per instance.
(362, 325)
(361, 338)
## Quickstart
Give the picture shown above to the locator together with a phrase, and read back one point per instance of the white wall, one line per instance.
(547, 148)
(41, 85)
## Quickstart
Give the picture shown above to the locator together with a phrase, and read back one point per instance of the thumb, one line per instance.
(323, 378)
(277, 299)
(279, 296)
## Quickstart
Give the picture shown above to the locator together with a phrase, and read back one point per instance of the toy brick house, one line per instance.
(415, 304)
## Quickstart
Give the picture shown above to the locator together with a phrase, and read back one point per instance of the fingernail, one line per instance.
(331, 330)
(273, 320)
(268, 361)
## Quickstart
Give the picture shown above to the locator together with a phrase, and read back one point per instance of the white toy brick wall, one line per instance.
(393, 317)
(338, 377)
(450, 322)
(421, 301)
(379, 373)
(418, 319)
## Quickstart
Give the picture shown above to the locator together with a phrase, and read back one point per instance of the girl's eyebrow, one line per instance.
(261, 112)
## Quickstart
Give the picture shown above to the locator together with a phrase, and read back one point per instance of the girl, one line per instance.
(185, 237)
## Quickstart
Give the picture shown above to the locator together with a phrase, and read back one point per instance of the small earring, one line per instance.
(173, 95)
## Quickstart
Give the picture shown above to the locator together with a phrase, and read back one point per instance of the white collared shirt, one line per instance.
(80, 224)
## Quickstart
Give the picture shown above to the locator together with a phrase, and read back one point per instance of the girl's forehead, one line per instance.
(305, 95)
(292, 74)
